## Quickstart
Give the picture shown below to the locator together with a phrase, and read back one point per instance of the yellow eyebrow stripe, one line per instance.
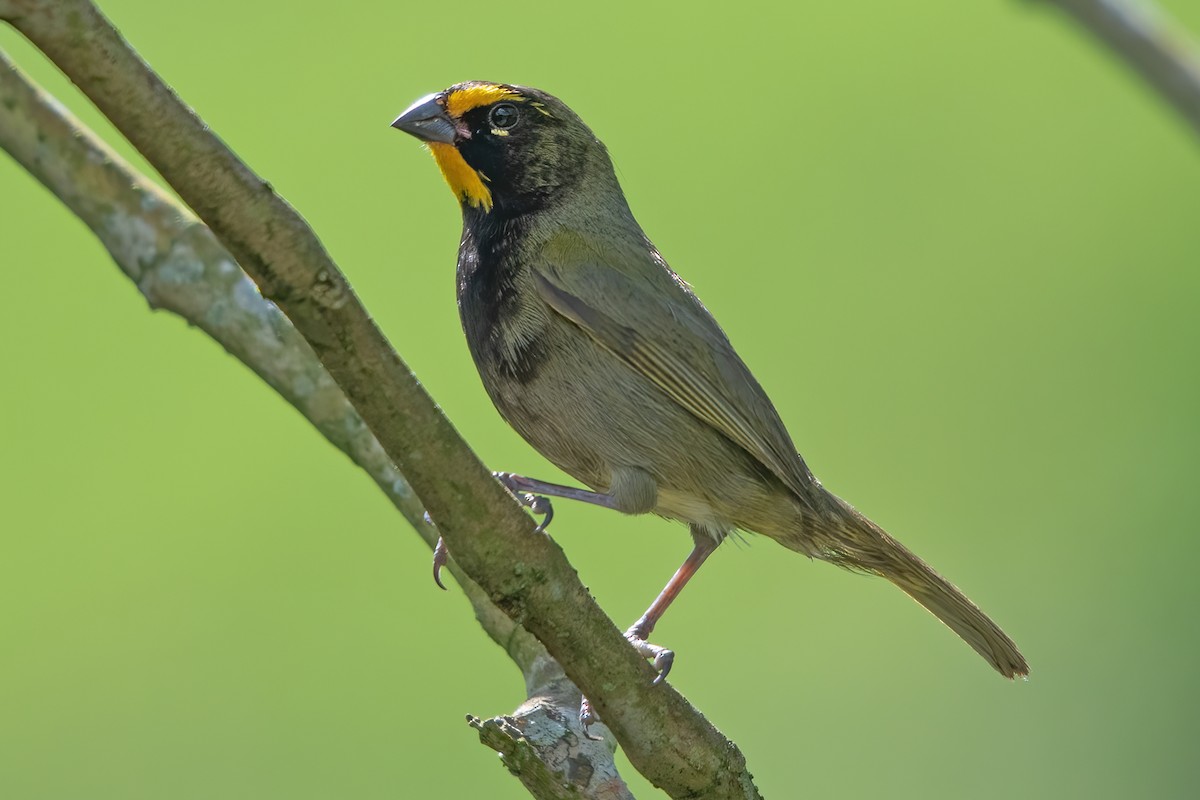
(460, 101)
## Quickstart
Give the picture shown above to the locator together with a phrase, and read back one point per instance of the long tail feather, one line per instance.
(856, 543)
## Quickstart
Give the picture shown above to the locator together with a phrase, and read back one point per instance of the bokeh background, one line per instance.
(956, 242)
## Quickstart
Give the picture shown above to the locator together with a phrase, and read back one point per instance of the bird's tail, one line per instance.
(856, 543)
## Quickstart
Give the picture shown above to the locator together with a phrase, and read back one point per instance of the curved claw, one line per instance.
(662, 664)
(440, 556)
(541, 506)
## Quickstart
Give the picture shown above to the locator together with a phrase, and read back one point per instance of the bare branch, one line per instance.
(179, 266)
(540, 744)
(526, 575)
(1150, 42)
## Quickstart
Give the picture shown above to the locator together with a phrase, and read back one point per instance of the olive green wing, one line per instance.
(650, 319)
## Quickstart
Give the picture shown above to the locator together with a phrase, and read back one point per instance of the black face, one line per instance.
(527, 152)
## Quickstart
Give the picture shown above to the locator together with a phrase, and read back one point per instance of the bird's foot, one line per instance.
(536, 503)
(660, 657)
(586, 718)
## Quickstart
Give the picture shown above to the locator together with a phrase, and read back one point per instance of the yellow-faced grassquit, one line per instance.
(604, 360)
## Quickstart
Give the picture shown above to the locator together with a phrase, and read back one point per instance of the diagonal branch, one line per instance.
(527, 576)
(179, 266)
(1150, 42)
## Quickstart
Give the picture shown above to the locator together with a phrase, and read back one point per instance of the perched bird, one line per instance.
(604, 360)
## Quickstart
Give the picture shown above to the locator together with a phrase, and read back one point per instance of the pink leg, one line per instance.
(638, 633)
(703, 548)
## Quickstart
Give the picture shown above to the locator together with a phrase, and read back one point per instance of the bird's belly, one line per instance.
(694, 510)
(590, 414)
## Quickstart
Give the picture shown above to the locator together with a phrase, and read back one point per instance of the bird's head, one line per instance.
(511, 148)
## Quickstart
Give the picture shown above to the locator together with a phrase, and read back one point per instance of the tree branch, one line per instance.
(1151, 43)
(179, 266)
(526, 575)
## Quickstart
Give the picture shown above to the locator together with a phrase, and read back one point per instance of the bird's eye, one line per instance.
(503, 116)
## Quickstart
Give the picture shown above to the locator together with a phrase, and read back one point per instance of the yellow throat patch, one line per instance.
(467, 183)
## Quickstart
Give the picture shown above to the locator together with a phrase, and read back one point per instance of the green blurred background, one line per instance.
(956, 242)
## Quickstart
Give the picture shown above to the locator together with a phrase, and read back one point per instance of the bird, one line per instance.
(606, 362)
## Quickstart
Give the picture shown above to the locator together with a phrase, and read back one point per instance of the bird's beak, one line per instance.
(427, 120)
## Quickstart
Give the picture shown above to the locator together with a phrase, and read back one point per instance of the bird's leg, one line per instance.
(534, 495)
(637, 634)
(640, 631)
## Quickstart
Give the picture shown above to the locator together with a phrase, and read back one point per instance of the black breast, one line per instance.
(490, 296)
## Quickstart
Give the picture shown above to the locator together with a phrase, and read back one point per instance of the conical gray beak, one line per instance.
(427, 120)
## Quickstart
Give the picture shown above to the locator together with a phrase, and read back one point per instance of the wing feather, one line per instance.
(684, 354)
